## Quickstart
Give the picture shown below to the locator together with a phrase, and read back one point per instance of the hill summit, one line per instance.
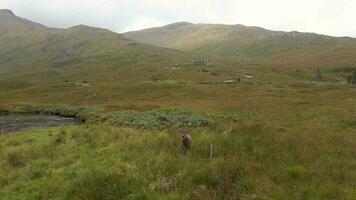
(6, 11)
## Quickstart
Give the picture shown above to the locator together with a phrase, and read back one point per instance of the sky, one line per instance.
(330, 17)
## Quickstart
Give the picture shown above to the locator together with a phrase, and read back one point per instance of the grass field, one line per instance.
(283, 136)
(257, 158)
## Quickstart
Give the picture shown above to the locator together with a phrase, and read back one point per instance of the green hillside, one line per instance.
(28, 50)
(84, 64)
(87, 65)
(252, 44)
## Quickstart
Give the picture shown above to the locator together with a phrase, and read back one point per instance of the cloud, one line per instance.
(144, 22)
(334, 17)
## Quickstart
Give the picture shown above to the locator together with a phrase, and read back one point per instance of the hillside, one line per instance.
(82, 64)
(252, 44)
(87, 65)
(32, 51)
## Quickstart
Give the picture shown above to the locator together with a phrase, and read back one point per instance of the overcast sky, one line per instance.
(332, 17)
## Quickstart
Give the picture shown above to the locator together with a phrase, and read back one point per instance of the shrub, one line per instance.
(161, 119)
(295, 172)
(3, 181)
(157, 119)
(345, 69)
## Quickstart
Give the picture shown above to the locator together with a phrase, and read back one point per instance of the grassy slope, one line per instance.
(252, 44)
(309, 158)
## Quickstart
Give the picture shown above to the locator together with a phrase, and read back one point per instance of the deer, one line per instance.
(186, 141)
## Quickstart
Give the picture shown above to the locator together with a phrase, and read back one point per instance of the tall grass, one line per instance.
(251, 160)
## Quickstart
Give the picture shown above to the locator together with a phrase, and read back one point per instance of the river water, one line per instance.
(21, 122)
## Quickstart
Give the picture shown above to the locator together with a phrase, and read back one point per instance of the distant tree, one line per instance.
(318, 77)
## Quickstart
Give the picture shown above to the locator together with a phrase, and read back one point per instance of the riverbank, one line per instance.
(155, 119)
(79, 112)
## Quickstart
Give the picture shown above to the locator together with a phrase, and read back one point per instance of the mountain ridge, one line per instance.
(10, 20)
(246, 42)
(30, 48)
(186, 23)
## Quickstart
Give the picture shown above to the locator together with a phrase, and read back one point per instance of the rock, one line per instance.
(248, 76)
(68, 52)
(83, 84)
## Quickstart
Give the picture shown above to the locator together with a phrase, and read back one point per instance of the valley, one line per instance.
(276, 110)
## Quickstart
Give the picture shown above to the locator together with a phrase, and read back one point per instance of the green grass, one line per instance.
(292, 138)
(306, 152)
(251, 160)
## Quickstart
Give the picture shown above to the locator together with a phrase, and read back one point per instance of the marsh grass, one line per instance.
(251, 160)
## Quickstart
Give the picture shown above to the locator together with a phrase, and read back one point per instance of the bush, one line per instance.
(345, 69)
(162, 119)
(295, 172)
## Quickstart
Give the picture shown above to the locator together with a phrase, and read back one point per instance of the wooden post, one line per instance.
(211, 151)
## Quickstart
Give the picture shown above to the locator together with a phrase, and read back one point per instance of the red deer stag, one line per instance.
(186, 141)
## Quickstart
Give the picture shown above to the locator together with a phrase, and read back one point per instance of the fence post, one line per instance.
(211, 151)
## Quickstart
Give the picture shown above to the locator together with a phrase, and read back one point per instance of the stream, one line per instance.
(21, 122)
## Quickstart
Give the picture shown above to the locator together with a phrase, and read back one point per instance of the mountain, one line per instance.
(252, 44)
(31, 51)
(11, 23)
